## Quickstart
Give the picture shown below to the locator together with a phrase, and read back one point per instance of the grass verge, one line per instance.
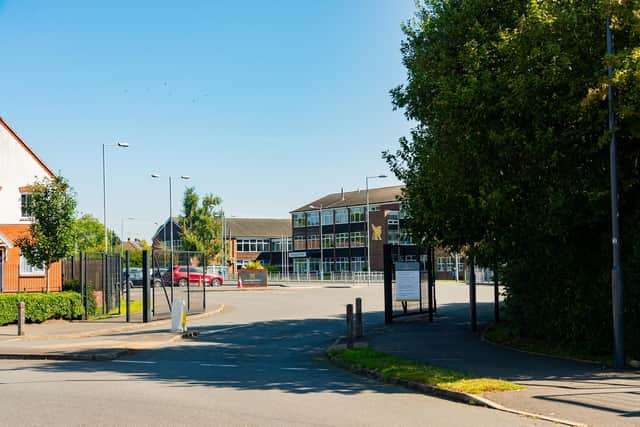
(504, 333)
(393, 367)
(135, 306)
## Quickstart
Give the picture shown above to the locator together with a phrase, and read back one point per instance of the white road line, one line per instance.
(145, 362)
(216, 365)
(295, 369)
(222, 330)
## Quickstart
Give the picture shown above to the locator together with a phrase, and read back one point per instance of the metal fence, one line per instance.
(337, 277)
(188, 282)
(100, 273)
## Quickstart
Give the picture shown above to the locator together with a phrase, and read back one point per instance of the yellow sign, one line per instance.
(376, 232)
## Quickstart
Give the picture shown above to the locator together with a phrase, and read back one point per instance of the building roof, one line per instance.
(258, 227)
(26, 147)
(354, 198)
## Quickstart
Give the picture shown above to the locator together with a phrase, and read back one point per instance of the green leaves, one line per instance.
(52, 205)
(202, 231)
(509, 157)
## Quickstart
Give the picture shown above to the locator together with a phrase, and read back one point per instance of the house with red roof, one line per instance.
(19, 168)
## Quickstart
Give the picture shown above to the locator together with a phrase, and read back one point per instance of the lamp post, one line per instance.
(104, 189)
(186, 178)
(321, 249)
(616, 270)
(122, 234)
(368, 226)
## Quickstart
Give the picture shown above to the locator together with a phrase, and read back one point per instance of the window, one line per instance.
(25, 205)
(313, 218)
(357, 239)
(328, 266)
(327, 241)
(393, 237)
(342, 240)
(342, 264)
(357, 215)
(374, 208)
(342, 217)
(313, 242)
(28, 269)
(253, 245)
(392, 218)
(277, 244)
(357, 264)
(298, 220)
(405, 238)
(446, 263)
(298, 243)
(327, 217)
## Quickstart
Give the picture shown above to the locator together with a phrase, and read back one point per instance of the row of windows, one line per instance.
(340, 264)
(262, 245)
(339, 240)
(329, 217)
(448, 263)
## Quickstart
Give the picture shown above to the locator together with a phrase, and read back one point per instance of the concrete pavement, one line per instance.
(565, 389)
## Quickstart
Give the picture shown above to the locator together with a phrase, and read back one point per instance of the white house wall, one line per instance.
(18, 168)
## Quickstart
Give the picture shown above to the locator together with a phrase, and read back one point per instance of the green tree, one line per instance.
(52, 205)
(89, 234)
(202, 229)
(508, 160)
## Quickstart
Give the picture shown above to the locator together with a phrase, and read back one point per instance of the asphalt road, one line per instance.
(258, 363)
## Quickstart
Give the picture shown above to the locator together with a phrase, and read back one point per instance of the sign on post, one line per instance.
(408, 281)
(250, 278)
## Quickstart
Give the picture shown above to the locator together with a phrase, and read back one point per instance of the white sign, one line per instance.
(408, 281)
(297, 254)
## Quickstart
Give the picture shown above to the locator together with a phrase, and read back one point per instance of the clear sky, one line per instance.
(268, 104)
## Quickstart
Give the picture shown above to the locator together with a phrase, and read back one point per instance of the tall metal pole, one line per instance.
(368, 238)
(171, 236)
(321, 248)
(616, 271)
(104, 198)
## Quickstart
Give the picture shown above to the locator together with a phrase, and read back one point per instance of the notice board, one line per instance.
(408, 281)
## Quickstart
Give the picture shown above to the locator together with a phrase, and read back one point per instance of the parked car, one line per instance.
(194, 276)
(135, 276)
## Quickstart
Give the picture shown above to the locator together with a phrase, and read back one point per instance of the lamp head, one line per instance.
(154, 175)
(123, 144)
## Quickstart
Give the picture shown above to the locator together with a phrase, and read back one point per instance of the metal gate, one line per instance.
(178, 275)
(426, 301)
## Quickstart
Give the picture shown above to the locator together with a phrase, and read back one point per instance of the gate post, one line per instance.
(496, 296)
(430, 283)
(472, 294)
(83, 284)
(388, 278)
(128, 286)
(146, 306)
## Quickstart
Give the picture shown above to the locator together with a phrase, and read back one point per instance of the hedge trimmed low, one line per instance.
(39, 307)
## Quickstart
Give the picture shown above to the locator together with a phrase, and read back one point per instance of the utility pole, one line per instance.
(616, 271)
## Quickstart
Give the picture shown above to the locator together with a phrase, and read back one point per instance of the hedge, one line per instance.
(74, 286)
(40, 307)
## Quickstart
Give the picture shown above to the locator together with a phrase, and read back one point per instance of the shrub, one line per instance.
(40, 307)
(73, 285)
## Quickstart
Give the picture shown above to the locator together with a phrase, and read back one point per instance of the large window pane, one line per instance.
(356, 215)
(298, 219)
(342, 216)
(313, 218)
(327, 217)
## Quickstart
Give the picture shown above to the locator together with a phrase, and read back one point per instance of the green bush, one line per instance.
(73, 285)
(40, 307)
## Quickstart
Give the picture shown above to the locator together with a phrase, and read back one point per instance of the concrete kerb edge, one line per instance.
(456, 396)
(134, 327)
(105, 356)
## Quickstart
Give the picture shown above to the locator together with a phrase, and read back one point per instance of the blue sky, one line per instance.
(266, 104)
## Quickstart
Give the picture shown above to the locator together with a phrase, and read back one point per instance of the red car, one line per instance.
(195, 276)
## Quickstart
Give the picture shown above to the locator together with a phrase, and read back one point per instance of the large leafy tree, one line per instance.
(509, 157)
(89, 234)
(52, 205)
(202, 229)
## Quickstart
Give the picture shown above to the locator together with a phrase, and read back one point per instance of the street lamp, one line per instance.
(321, 249)
(122, 234)
(616, 270)
(186, 178)
(367, 178)
(104, 188)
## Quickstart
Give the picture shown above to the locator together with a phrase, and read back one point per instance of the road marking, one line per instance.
(222, 330)
(146, 362)
(216, 365)
(295, 369)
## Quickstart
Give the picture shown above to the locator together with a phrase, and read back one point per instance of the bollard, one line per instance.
(349, 325)
(20, 318)
(358, 317)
